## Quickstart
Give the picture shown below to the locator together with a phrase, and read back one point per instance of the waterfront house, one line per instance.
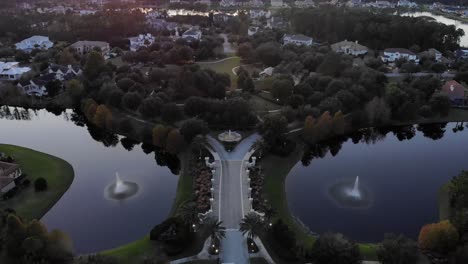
(252, 31)
(63, 73)
(140, 41)
(277, 3)
(34, 42)
(350, 48)
(83, 47)
(10, 175)
(34, 87)
(394, 54)
(192, 34)
(297, 39)
(455, 92)
(10, 71)
(406, 3)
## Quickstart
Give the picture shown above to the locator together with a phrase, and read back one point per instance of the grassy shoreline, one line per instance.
(277, 170)
(58, 173)
(144, 247)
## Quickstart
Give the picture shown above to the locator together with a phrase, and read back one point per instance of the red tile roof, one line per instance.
(453, 89)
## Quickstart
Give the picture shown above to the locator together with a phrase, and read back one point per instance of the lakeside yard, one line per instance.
(145, 247)
(223, 66)
(58, 173)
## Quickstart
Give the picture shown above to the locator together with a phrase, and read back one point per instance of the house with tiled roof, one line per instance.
(10, 175)
(394, 54)
(140, 41)
(455, 92)
(297, 39)
(192, 34)
(349, 47)
(11, 71)
(85, 46)
(34, 42)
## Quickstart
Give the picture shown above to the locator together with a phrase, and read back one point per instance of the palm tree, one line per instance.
(188, 213)
(198, 143)
(251, 225)
(269, 214)
(217, 231)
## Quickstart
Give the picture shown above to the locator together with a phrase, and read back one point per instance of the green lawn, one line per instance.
(276, 170)
(145, 247)
(224, 66)
(260, 104)
(58, 173)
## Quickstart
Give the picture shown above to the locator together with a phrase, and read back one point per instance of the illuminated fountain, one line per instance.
(348, 194)
(229, 137)
(120, 190)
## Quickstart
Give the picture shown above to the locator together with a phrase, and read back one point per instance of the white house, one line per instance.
(63, 73)
(277, 3)
(392, 55)
(227, 3)
(9, 174)
(407, 3)
(298, 39)
(304, 3)
(382, 4)
(192, 34)
(34, 42)
(10, 71)
(83, 47)
(142, 40)
(354, 3)
(350, 48)
(258, 13)
(252, 31)
(33, 87)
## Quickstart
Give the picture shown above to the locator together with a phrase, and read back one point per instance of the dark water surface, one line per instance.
(403, 178)
(93, 222)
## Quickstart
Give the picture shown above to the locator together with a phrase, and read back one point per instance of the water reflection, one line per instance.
(94, 222)
(401, 168)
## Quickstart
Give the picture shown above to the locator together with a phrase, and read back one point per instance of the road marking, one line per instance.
(241, 191)
(220, 186)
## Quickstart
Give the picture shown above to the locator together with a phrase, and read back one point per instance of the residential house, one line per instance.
(276, 22)
(381, 4)
(10, 71)
(259, 13)
(256, 3)
(277, 3)
(436, 5)
(10, 176)
(252, 31)
(35, 87)
(63, 73)
(297, 39)
(83, 47)
(86, 12)
(461, 54)
(227, 3)
(267, 72)
(354, 3)
(350, 48)
(34, 42)
(433, 54)
(392, 55)
(204, 2)
(407, 3)
(455, 92)
(140, 41)
(192, 34)
(304, 3)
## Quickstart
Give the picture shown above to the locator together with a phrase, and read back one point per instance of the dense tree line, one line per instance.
(377, 31)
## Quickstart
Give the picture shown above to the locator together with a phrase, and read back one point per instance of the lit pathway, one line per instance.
(233, 202)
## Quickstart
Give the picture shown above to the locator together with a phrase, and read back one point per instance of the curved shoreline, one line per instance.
(58, 173)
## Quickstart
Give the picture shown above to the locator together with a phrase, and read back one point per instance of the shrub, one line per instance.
(439, 238)
(40, 185)
(397, 250)
(335, 249)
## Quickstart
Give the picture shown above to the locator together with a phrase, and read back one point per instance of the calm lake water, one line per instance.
(93, 222)
(402, 177)
(445, 20)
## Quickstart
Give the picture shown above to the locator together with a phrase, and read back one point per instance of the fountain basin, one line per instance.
(344, 195)
(229, 137)
(120, 190)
